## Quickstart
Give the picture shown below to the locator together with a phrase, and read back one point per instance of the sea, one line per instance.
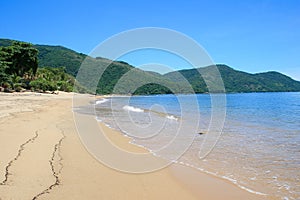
(256, 145)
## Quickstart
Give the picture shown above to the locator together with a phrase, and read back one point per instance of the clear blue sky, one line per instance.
(250, 35)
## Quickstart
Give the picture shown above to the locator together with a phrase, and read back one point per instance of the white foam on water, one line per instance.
(133, 109)
(107, 125)
(100, 101)
(171, 117)
(223, 177)
(98, 119)
(251, 191)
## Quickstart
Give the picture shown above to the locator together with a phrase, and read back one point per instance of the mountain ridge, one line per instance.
(234, 80)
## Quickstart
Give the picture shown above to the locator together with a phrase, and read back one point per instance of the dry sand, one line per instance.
(42, 157)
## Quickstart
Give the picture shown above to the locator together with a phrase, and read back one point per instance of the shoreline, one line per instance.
(184, 165)
(188, 177)
(53, 164)
(176, 168)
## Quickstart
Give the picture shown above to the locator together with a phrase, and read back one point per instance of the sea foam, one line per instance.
(171, 117)
(100, 101)
(133, 109)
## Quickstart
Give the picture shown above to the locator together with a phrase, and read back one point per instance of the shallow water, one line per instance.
(259, 149)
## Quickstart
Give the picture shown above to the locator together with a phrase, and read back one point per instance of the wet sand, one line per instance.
(42, 157)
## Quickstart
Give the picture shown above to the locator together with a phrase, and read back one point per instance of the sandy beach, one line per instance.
(42, 157)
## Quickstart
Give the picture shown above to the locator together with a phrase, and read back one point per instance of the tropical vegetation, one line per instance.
(19, 71)
(49, 68)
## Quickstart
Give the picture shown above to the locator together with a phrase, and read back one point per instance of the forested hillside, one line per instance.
(136, 81)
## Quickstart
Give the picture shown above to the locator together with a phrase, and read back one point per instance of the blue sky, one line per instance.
(250, 35)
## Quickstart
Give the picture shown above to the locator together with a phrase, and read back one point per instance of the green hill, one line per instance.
(121, 78)
(55, 56)
(238, 81)
(58, 56)
(154, 83)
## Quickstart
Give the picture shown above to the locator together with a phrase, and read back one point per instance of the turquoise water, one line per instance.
(259, 149)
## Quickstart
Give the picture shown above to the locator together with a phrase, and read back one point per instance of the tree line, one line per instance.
(20, 71)
(22, 67)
